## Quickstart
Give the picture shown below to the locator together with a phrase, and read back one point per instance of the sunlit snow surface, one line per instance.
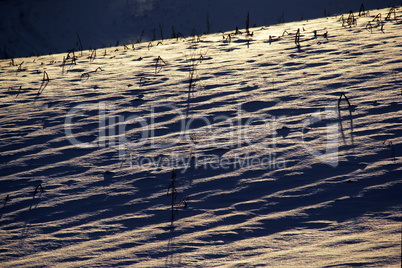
(251, 98)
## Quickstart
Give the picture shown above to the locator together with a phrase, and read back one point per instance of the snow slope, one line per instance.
(275, 173)
(42, 27)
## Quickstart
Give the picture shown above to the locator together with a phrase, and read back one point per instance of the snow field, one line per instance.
(243, 98)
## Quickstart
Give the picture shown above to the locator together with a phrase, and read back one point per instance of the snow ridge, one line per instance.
(43, 27)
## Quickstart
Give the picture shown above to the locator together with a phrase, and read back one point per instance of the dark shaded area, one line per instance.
(31, 28)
